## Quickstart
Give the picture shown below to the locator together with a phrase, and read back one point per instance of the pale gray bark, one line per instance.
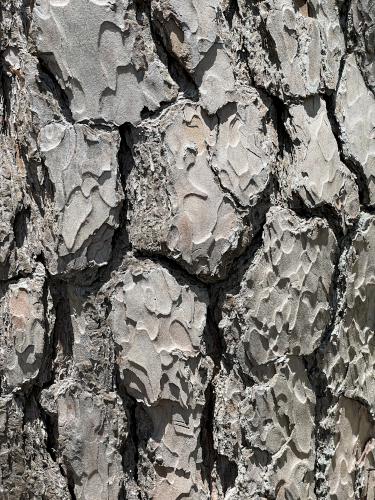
(187, 249)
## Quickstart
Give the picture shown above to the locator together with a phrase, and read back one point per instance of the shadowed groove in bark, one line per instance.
(280, 115)
(231, 11)
(215, 349)
(226, 470)
(176, 69)
(20, 225)
(48, 82)
(130, 450)
(120, 240)
(63, 335)
(351, 163)
(325, 399)
(4, 101)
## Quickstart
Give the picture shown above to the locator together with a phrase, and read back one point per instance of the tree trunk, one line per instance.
(187, 249)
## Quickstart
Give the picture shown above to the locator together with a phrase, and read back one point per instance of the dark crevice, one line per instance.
(209, 453)
(15, 278)
(147, 114)
(120, 240)
(268, 43)
(30, 407)
(50, 424)
(63, 335)
(130, 449)
(176, 69)
(60, 337)
(46, 367)
(52, 444)
(323, 211)
(368, 210)
(47, 80)
(133, 433)
(41, 193)
(178, 73)
(305, 8)
(345, 24)
(241, 263)
(351, 163)
(228, 472)
(279, 116)
(97, 123)
(215, 349)
(20, 225)
(71, 488)
(322, 433)
(126, 165)
(59, 344)
(240, 266)
(5, 79)
(213, 338)
(325, 400)
(33, 410)
(27, 8)
(5, 89)
(231, 11)
(173, 266)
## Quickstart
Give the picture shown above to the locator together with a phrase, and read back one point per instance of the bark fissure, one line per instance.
(349, 161)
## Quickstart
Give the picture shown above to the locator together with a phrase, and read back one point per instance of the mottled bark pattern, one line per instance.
(187, 249)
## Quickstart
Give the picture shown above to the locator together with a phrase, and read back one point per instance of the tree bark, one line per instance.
(187, 265)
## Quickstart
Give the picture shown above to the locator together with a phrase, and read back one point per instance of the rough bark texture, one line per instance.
(187, 249)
